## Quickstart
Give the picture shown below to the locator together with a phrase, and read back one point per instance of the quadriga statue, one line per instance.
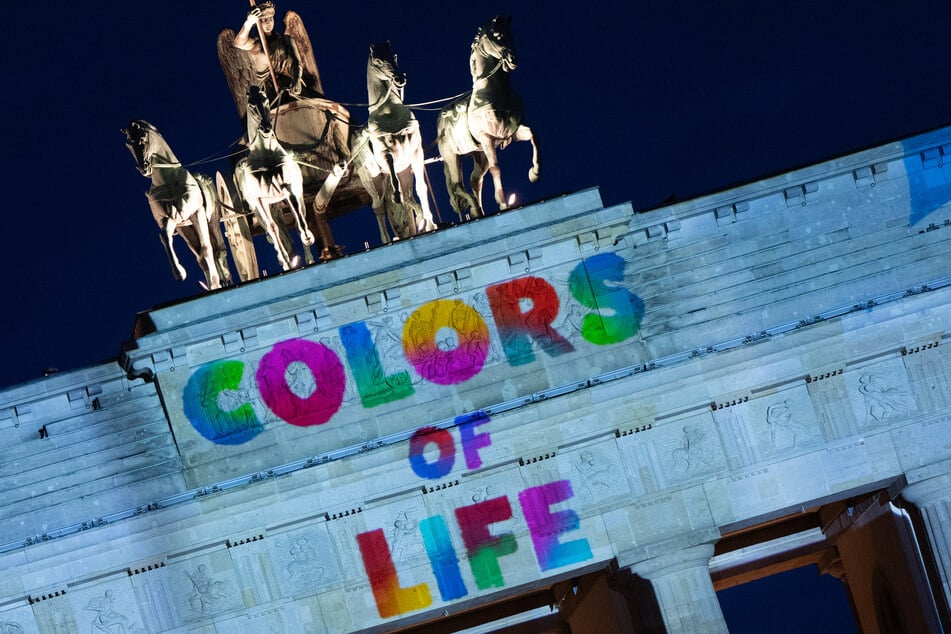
(182, 203)
(489, 117)
(388, 155)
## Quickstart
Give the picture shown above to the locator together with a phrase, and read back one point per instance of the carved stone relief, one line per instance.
(110, 617)
(109, 607)
(786, 430)
(880, 394)
(785, 423)
(671, 452)
(204, 587)
(406, 543)
(304, 561)
(693, 456)
(18, 621)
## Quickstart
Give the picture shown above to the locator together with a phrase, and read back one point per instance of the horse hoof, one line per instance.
(533, 175)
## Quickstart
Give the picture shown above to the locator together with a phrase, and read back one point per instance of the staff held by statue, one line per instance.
(267, 54)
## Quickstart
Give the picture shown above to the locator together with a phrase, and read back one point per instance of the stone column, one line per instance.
(933, 498)
(683, 591)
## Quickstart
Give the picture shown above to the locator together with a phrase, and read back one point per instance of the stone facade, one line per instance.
(408, 433)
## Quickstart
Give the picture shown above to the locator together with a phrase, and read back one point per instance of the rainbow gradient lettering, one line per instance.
(595, 284)
(444, 341)
(433, 355)
(546, 527)
(200, 402)
(518, 328)
(484, 546)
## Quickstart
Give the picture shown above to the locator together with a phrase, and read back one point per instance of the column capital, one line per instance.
(927, 491)
(678, 571)
(671, 551)
(675, 561)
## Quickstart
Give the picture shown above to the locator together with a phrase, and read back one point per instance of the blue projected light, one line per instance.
(929, 186)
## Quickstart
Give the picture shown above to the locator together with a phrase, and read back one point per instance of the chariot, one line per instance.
(315, 130)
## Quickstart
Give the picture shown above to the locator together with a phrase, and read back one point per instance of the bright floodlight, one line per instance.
(512, 199)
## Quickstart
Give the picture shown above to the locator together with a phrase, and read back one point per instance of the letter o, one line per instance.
(447, 452)
(323, 363)
(439, 364)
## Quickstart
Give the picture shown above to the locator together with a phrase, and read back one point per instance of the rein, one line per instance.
(166, 165)
(479, 48)
(389, 91)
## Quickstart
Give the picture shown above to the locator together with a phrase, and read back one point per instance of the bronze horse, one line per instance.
(388, 154)
(269, 178)
(489, 117)
(182, 203)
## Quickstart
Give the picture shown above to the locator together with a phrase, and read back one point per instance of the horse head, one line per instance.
(139, 139)
(383, 65)
(494, 40)
(259, 113)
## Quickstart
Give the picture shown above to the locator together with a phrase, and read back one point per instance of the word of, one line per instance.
(472, 441)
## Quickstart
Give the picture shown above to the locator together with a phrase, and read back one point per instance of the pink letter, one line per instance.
(546, 526)
(327, 371)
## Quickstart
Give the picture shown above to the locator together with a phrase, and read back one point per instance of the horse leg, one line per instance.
(287, 243)
(394, 178)
(324, 236)
(169, 227)
(392, 210)
(216, 239)
(409, 208)
(191, 236)
(524, 133)
(459, 198)
(219, 251)
(424, 221)
(377, 202)
(492, 160)
(206, 253)
(276, 233)
(306, 235)
(479, 167)
(295, 192)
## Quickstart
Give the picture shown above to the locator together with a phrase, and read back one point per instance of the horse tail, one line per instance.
(397, 195)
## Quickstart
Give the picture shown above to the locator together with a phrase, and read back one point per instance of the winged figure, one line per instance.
(282, 65)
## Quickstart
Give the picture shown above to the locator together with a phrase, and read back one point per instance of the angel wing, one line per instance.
(237, 68)
(294, 27)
